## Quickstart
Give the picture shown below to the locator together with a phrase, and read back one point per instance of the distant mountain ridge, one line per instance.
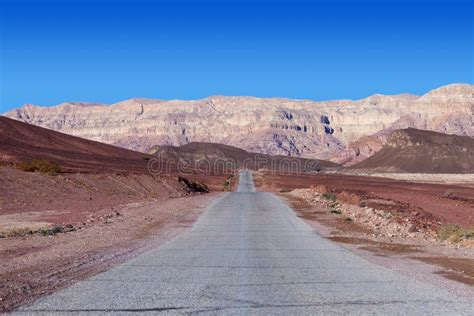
(325, 130)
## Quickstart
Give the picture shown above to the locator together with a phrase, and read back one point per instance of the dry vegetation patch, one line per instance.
(26, 229)
(454, 233)
(230, 183)
(39, 165)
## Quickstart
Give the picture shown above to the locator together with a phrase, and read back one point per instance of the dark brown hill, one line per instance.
(216, 157)
(419, 151)
(21, 142)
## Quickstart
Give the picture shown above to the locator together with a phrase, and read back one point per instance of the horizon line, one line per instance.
(239, 96)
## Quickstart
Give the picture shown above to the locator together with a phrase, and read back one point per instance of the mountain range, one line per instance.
(344, 131)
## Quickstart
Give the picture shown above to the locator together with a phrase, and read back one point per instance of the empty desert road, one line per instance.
(250, 254)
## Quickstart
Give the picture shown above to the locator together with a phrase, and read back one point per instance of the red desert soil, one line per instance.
(445, 203)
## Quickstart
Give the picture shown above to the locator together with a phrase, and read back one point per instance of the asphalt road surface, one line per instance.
(250, 254)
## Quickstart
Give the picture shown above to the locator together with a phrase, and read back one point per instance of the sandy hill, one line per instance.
(419, 151)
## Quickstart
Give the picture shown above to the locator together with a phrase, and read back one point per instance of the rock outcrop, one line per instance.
(303, 128)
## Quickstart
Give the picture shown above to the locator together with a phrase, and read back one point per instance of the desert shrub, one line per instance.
(335, 211)
(17, 232)
(454, 233)
(227, 183)
(39, 165)
(348, 219)
(469, 233)
(363, 204)
(329, 196)
(50, 231)
(26, 166)
(45, 231)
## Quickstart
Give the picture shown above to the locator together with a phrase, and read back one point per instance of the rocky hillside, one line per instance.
(419, 151)
(273, 126)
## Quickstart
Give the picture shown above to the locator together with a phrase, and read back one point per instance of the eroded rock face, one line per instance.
(302, 128)
(361, 149)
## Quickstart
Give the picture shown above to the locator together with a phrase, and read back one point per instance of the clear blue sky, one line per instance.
(107, 51)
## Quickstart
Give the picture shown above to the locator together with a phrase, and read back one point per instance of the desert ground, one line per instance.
(116, 230)
(249, 252)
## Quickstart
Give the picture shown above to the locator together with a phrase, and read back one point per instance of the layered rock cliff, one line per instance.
(302, 128)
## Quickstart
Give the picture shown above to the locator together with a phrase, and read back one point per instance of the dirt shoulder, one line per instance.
(401, 240)
(36, 265)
